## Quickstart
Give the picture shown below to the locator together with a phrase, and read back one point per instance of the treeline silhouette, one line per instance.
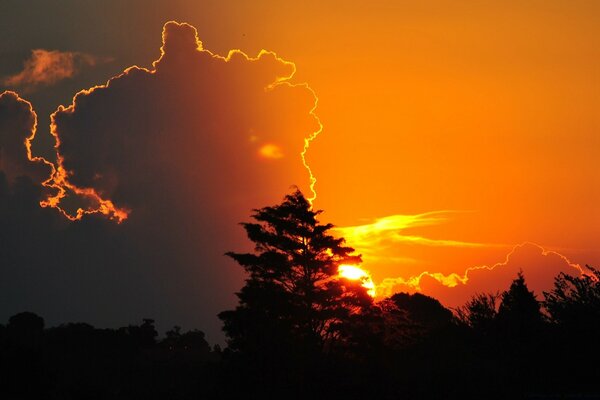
(301, 332)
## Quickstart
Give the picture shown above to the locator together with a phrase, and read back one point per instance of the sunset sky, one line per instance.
(453, 143)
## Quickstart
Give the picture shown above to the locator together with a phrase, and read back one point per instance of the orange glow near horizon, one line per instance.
(355, 273)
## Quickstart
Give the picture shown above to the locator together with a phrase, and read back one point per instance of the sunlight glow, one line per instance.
(354, 273)
(271, 151)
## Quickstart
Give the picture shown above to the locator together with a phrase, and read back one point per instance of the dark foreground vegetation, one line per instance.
(300, 332)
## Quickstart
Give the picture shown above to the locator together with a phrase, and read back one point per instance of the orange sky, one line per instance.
(487, 111)
(464, 129)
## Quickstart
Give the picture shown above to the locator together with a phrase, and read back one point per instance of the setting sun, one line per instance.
(354, 273)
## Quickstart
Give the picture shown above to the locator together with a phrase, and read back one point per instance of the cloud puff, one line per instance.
(390, 240)
(538, 264)
(47, 67)
(177, 153)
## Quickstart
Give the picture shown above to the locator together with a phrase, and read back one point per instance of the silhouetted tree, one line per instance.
(399, 321)
(479, 312)
(573, 309)
(424, 311)
(519, 312)
(173, 334)
(144, 335)
(377, 329)
(575, 301)
(21, 365)
(292, 297)
(26, 329)
(193, 340)
(573, 305)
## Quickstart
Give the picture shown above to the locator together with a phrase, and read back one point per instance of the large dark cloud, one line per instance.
(194, 125)
(187, 149)
(18, 124)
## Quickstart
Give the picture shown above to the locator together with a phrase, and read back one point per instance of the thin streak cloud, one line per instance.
(389, 230)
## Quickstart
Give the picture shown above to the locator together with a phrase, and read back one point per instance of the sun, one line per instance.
(355, 273)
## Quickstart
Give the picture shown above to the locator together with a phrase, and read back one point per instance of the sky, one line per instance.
(453, 143)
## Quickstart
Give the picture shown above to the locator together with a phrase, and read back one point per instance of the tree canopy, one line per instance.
(293, 292)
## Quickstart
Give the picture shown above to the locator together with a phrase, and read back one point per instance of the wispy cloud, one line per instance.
(48, 67)
(373, 236)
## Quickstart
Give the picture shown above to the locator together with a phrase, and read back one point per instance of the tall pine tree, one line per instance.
(293, 297)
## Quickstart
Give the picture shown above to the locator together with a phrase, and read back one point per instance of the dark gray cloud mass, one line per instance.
(186, 150)
(17, 126)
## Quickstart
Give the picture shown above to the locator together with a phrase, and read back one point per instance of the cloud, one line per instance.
(390, 240)
(538, 264)
(386, 239)
(271, 151)
(184, 128)
(48, 67)
(176, 153)
(389, 230)
(18, 124)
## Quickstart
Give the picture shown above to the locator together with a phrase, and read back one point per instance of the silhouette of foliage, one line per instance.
(425, 311)
(193, 340)
(575, 301)
(405, 346)
(519, 313)
(144, 335)
(380, 327)
(480, 311)
(300, 331)
(292, 296)
(25, 330)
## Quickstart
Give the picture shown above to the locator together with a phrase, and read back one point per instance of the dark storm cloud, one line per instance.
(123, 31)
(18, 124)
(182, 149)
(196, 125)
